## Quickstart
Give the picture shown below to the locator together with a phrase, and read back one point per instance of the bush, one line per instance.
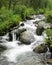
(40, 11)
(49, 34)
(48, 14)
(49, 18)
(20, 9)
(23, 11)
(29, 11)
(8, 20)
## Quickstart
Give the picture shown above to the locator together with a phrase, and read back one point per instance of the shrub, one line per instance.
(29, 11)
(23, 11)
(48, 14)
(49, 34)
(20, 9)
(40, 11)
(8, 20)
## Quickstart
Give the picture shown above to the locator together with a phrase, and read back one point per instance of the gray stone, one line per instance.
(27, 37)
(19, 31)
(44, 25)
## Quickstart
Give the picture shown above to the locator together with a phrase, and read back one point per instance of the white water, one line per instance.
(14, 49)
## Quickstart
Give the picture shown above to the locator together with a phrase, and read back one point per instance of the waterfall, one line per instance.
(48, 53)
(14, 36)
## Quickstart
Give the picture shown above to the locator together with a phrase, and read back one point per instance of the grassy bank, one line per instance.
(10, 18)
(14, 11)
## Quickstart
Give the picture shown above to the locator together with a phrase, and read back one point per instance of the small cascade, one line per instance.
(14, 49)
(48, 53)
(14, 36)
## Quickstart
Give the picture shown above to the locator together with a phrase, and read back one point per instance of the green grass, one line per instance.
(9, 19)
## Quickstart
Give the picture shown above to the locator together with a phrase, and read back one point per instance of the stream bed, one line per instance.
(22, 54)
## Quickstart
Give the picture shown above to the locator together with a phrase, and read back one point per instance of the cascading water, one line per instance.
(14, 51)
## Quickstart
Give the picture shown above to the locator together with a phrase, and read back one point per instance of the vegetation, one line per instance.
(9, 19)
(49, 39)
(14, 11)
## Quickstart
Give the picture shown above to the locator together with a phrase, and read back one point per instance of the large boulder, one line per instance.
(44, 25)
(42, 48)
(19, 31)
(39, 30)
(27, 37)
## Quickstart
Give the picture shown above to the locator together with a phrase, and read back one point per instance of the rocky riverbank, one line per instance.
(25, 45)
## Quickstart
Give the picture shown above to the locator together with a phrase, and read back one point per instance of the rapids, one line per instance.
(22, 54)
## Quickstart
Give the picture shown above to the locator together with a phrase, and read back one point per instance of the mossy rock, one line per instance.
(39, 30)
(42, 48)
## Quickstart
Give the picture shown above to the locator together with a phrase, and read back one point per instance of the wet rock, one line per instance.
(19, 31)
(51, 26)
(27, 37)
(40, 49)
(3, 41)
(48, 55)
(44, 25)
(2, 48)
(42, 17)
(32, 16)
(49, 61)
(10, 36)
(39, 30)
(22, 24)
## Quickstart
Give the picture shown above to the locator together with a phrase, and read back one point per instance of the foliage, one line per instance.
(23, 11)
(40, 11)
(49, 34)
(13, 11)
(49, 18)
(29, 11)
(8, 20)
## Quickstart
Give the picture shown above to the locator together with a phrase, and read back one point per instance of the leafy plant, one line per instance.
(49, 34)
